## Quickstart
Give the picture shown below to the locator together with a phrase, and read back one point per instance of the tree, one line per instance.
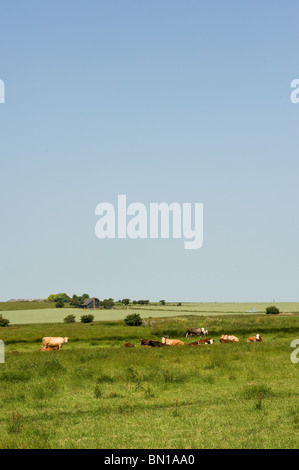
(59, 303)
(107, 303)
(75, 301)
(84, 297)
(62, 296)
(162, 302)
(272, 310)
(125, 301)
(133, 319)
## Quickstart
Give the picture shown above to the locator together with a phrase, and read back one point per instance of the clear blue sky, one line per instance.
(185, 101)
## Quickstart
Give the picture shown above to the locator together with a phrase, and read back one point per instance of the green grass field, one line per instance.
(96, 394)
(22, 313)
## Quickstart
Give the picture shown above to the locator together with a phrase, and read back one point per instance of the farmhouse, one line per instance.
(90, 303)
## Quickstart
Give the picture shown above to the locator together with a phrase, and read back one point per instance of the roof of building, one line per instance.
(86, 302)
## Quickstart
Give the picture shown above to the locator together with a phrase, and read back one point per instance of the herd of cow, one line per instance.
(195, 332)
(52, 343)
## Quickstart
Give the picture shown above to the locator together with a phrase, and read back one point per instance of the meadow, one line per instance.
(94, 393)
(45, 312)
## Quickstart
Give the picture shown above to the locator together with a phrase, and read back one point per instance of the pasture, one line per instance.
(96, 394)
(35, 312)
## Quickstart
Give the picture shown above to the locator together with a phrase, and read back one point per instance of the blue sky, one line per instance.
(161, 101)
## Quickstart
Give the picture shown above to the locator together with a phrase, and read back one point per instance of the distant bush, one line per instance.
(59, 304)
(272, 310)
(4, 321)
(70, 319)
(133, 319)
(87, 318)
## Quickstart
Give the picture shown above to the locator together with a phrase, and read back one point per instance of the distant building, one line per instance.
(90, 303)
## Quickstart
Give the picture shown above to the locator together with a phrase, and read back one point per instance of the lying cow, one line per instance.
(228, 339)
(255, 339)
(201, 342)
(129, 345)
(151, 343)
(53, 348)
(52, 341)
(172, 342)
(196, 332)
(156, 344)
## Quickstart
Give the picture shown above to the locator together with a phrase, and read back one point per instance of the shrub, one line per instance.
(87, 318)
(133, 319)
(70, 319)
(59, 303)
(4, 321)
(272, 310)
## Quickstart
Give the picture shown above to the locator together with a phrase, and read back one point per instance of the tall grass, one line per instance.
(94, 393)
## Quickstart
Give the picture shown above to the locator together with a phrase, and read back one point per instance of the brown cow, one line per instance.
(255, 339)
(129, 345)
(228, 339)
(145, 342)
(201, 342)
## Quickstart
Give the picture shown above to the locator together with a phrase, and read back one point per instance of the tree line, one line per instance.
(77, 300)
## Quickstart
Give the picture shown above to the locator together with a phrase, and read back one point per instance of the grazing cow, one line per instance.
(255, 339)
(228, 339)
(172, 342)
(129, 345)
(196, 332)
(52, 341)
(201, 342)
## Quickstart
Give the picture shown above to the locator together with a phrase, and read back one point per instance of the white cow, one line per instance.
(52, 341)
(172, 342)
